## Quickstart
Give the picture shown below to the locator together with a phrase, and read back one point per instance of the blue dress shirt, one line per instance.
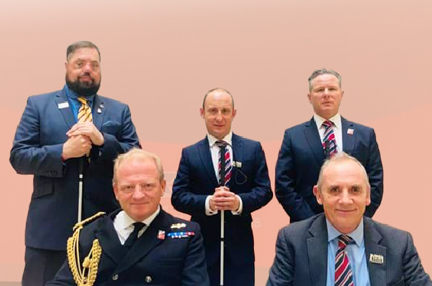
(356, 255)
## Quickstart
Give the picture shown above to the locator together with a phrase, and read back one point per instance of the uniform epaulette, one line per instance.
(84, 274)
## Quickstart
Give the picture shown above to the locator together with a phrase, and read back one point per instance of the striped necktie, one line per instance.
(329, 139)
(224, 164)
(84, 113)
(343, 272)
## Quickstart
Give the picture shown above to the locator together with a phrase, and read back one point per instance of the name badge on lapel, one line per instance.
(63, 105)
(376, 258)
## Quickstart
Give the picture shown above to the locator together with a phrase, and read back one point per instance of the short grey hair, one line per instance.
(80, 45)
(321, 72)
(136, 153)
(341, 157)
(217, 89)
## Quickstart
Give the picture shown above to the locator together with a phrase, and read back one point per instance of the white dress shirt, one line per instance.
(123, 224)
(337, 129)
(214, 150)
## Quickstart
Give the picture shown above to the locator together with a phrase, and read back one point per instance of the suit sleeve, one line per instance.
(293, 203)
(414, 273)
(183, 199)
(260, 193)
(195, 267)
(375, 173)
(28, 156)
(126, 139)
(282, 270)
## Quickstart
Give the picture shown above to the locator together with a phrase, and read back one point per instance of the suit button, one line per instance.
(148, 279)
(115, 277)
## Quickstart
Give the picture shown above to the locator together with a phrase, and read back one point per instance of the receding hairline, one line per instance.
(141, 155)
(71, 49)
(217, 89)
(340, 158)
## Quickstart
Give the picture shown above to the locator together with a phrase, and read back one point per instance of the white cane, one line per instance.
(80, 187)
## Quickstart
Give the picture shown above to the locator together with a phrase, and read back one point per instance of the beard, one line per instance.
(83, 88)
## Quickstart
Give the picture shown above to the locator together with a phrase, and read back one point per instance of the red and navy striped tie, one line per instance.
(343, 272)
(329, 139)
(226, 164)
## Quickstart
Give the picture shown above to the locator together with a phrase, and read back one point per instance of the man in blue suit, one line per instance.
(197, 192)
(342, 246)
(306, 145)
(62, 134)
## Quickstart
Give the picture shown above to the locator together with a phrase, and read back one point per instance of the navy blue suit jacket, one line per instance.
(300, 159)
(37, 150)
(153, 260)
(301, 255)
(196, 180)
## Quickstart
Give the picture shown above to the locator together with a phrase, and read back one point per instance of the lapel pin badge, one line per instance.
(237, 164)
(62, 105)
(161, 235)
(376, 258)
(350, 131)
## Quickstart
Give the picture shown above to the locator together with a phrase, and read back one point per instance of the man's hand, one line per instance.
(87, 129)
(76, 146)
(224, 200)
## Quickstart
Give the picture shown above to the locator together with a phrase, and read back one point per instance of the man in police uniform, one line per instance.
(139, 244)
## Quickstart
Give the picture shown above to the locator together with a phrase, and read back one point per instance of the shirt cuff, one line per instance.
(208, 211)
(240, 209)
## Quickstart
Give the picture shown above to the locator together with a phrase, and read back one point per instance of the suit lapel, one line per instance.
(61, 99)
(314, 140)
(145, 243)
(348, 140)
(109, 240)
(98, 111)
(206, 160)
(377, 272)
(237, 147)
(317, 246)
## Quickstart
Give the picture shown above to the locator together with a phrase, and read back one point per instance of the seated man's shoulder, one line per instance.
(388, 233)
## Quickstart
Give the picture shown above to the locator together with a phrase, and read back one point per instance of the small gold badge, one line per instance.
(376, 258)
(178, 225)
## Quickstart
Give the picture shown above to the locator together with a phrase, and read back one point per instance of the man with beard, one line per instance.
(61, 135)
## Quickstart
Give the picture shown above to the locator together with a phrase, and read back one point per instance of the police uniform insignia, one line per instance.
(178, 225)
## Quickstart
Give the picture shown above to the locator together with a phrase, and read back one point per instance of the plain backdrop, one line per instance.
(161, 57)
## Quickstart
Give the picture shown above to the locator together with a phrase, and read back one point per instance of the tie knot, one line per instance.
(138, 226)
(221, 143)
(83, 100)
(344, 240)
(327, 124)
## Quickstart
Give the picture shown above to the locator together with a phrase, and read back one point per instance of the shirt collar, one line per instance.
(356, 235)
(74, 96)
(212, 140)
(126, 221)
(337, 121)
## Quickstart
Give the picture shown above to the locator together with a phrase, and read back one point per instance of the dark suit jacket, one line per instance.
(196, 180)
(151, 261)
(37, 150)
(300, 159)
(301, 255)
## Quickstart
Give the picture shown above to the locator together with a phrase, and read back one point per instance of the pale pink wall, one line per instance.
(160, 57)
